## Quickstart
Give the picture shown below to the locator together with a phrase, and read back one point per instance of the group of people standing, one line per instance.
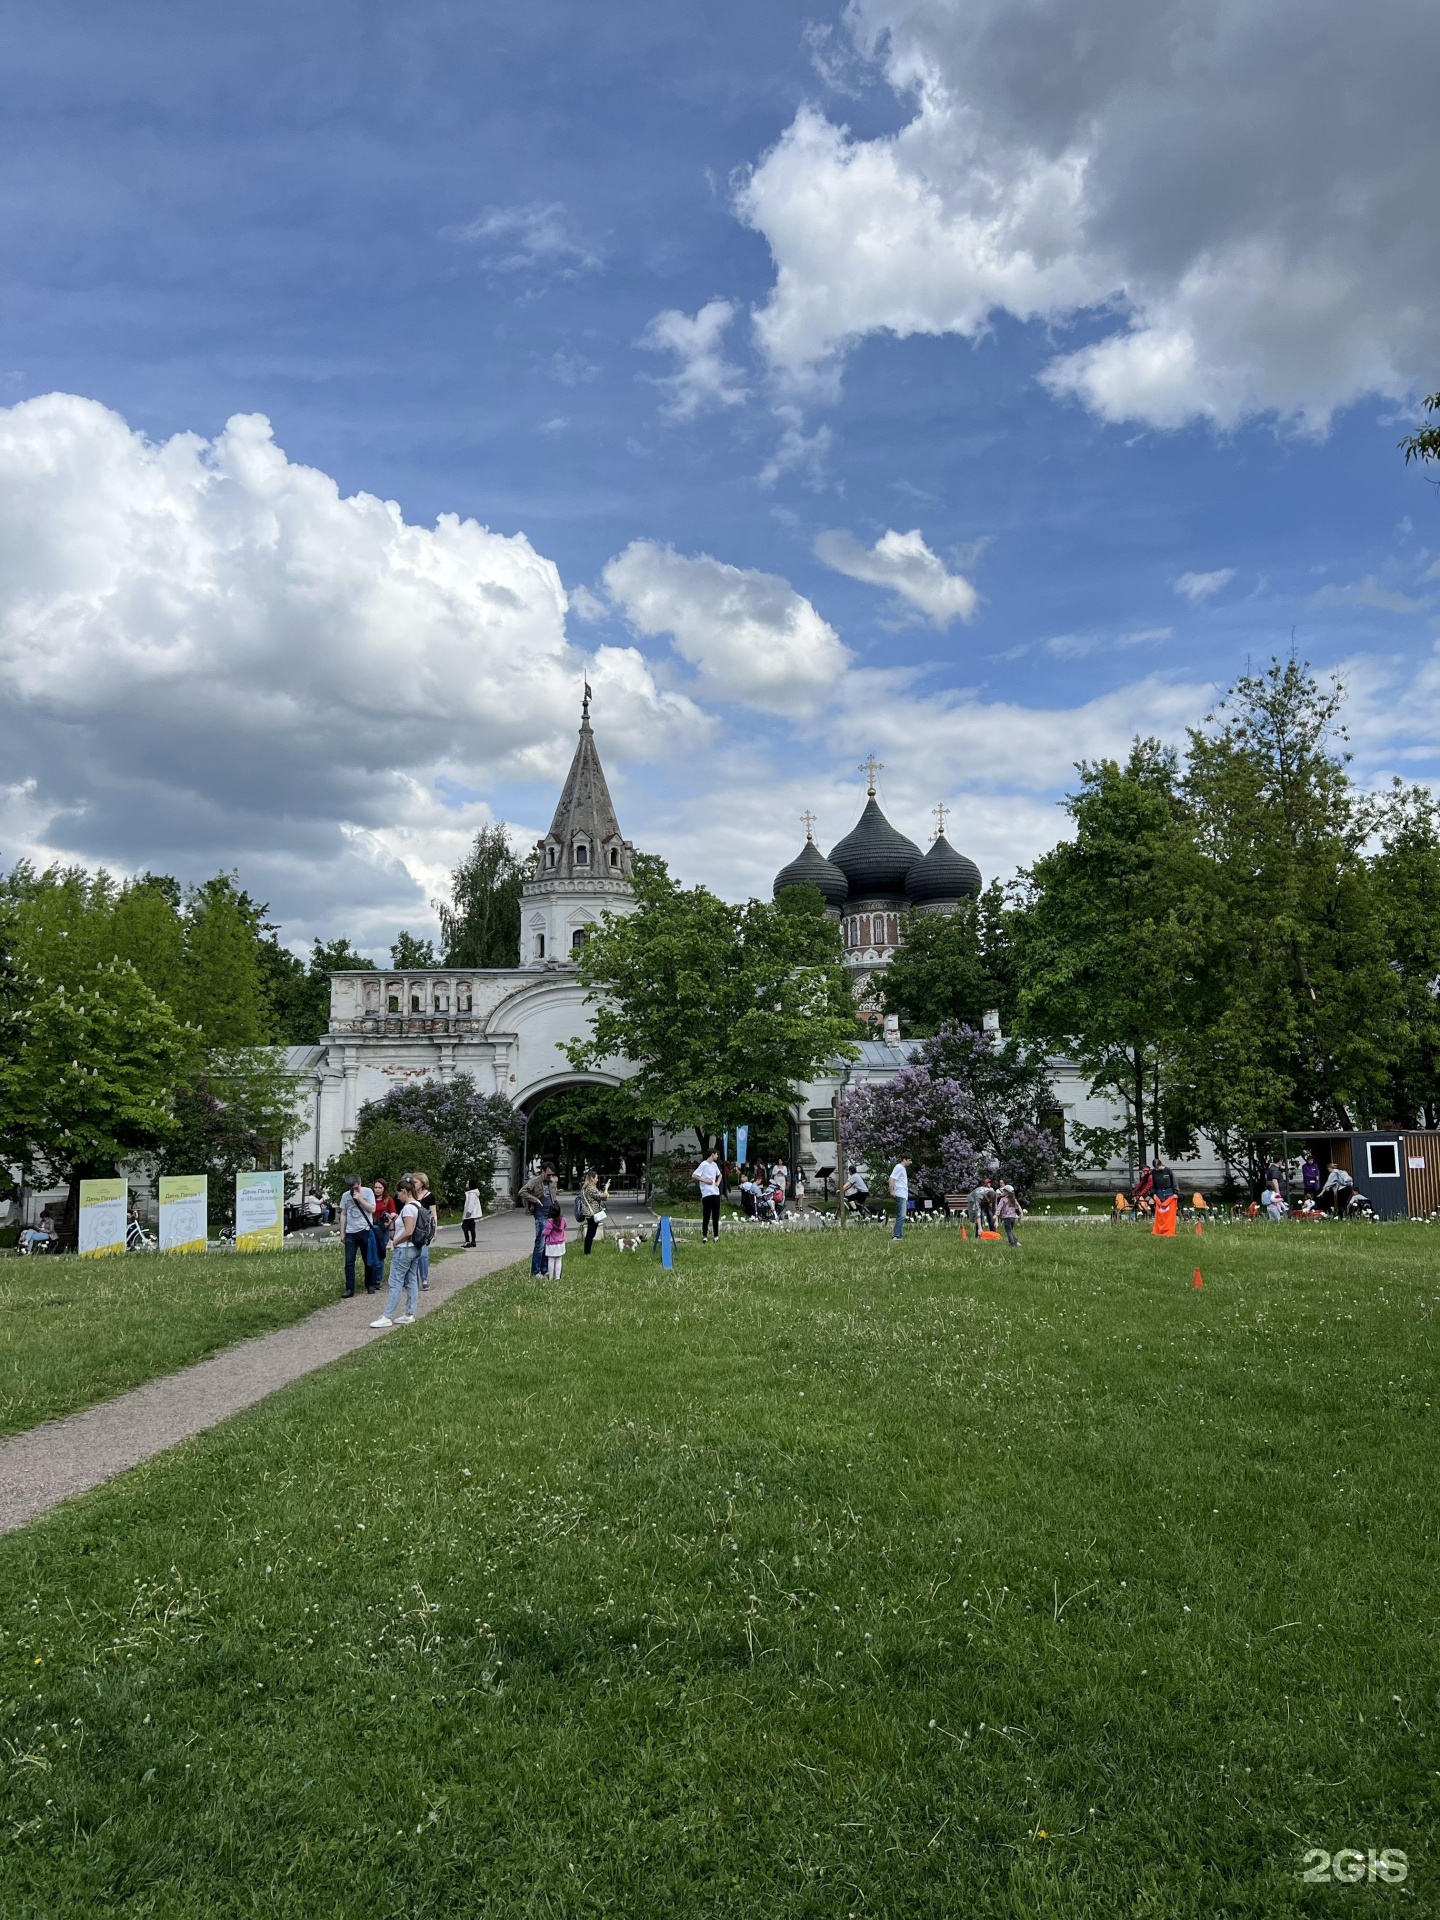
(541, 1194)
(375, 1222)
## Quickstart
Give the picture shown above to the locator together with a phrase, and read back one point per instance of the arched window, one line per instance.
(539, 946)
(462, 997)
(414, 1001)
(578, 938)
(582, 856)
(614, 856)
(550, 856)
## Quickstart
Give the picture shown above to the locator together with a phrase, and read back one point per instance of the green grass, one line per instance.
(76, 1331)
(811, 1579)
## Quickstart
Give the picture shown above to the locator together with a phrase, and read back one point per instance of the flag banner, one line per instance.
(102, 1216)
(725, 1145)
(742, 1145)
(259, 1212)
(184, 1213)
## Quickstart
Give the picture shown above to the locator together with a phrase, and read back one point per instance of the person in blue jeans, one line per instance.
(404, 1262)
(539, 1193)
(357, 1221)
(900, 1192)
(421, 1184)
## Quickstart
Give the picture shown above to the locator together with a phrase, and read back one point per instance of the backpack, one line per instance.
(580, 1208)
(423, 1231)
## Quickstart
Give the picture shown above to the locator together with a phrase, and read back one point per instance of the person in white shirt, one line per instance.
(357, 1221)
(708, 1176)
(473, 1212)
(900, 1192)
(404, 1261)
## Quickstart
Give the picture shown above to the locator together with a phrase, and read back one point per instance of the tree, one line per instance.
(466, 1129)
(1406, 878)
(941, 971)
(1424, 444)
(1110, 942)
(234, 1112)
(598, 1127)
(301, 994)
(722, 1010)
(385, 1150)
(410, 951)
(222, 987)
(968, 1106)
(480, 923)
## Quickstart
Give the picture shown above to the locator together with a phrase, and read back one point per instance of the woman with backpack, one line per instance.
(427, 1204)
(414, 1222)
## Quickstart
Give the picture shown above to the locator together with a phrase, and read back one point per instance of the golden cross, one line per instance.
(872, 766)
(942, 814)
(808, 819)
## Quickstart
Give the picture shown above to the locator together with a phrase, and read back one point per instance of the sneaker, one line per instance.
(383, 1321)
(424, 1286)
(406, 1320)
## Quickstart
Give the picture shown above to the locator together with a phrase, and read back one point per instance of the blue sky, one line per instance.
(825, 383)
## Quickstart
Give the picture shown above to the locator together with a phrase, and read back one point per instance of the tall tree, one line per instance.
(722, 1010)
(299, 994)
(233, 1111)
(1424, 444)
(942, 971)
(480, 923)
(410, 951)
(223, 989)
(1406, 878)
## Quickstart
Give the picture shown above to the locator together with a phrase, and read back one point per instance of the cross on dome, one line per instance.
(807, 820)
(871, 767)
(942, 814)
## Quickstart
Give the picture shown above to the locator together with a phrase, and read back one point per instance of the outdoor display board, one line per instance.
(259, 1212)
(184, 1213)
(102, 1216)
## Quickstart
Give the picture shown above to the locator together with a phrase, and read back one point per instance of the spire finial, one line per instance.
(585, 706)
(942, 814)
(808, 821)
(871, 767)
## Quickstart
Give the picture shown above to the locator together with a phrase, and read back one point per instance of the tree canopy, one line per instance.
(480, 923)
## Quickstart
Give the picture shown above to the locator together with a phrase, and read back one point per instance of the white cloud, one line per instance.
(903, 563)
(539, 238)
(750, 636)
(1199, 586)
(797, 452)
(209, 656)
(1237, 196)
(705, 377)
(1369, 593)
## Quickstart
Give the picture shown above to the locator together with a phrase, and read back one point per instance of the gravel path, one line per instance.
(54, 1462)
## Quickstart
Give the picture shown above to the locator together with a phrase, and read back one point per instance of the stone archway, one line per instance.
(572, 1120)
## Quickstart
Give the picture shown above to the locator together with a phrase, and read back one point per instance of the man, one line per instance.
(707, 1174)
(900, 1192)
(357, 1222)
(538, 1193)
(855, 1192)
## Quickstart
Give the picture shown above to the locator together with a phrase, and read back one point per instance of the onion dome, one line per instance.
(812, 869)
(942, 877)
(874, 857)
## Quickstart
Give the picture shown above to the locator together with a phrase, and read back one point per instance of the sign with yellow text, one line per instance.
(259, 1212)
(184, 1213)
(102, 1216)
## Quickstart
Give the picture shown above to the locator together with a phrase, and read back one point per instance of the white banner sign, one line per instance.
(259, 1211)
(103, 1205)
(184, 1213)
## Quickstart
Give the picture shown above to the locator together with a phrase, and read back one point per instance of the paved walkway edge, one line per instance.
(51, 1463)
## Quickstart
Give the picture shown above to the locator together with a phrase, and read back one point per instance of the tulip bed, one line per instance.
(815, 1577)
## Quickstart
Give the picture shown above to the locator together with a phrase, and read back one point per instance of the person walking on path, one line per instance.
(590, 1207)
(357, 1223)
(1007, 1211)
(555, 1231)
(404, 1261)
(385, 1218)
(900, 1192)
(472, 1215)
(426, 1198)
(708, 1175)
(538, 1193)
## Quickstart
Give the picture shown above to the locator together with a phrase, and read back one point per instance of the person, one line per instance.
(357, 1223)
(1277, 1178)
(855, 1193)
(590, 1207)
(472, 1214)
(982, 1205)
(134, 1232)
(538, 1193)
(1273, 1201)
(799, 1190)
(1339, 1185)
(779, 1182)
(1162, 1180)
(404, 1261)
(900, 1192)
(1310, 1176)
(555, 1231)
(708, 1176)
(749, 1196)
(385, 1217)
(313, 1208)
(1007, 1211)
(38, 1239)
(1143, 1192)
(427, 1200)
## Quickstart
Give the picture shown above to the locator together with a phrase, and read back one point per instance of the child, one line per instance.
(555, 1231)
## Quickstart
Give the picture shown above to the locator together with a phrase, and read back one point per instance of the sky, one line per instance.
(974, 385)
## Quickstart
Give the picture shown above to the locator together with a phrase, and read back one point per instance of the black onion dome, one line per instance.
(874, 857)
(811, 869)
(942, 875)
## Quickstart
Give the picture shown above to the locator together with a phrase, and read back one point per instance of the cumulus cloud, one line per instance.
(903, 563)
(1369, 592)
(705, 378)
(1235, 196)
(1199, 586)
(209, 656)
(797, 452)
(749, 635)
(539, 238)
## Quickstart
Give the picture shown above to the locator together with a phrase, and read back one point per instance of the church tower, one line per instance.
(583, 865)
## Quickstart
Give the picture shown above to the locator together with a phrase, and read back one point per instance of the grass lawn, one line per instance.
(812, 1578)
(76, 1331)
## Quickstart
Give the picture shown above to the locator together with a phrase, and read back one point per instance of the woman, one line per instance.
(472, 1214)
(591, 1206)
(425, 1198)
(382, 1225)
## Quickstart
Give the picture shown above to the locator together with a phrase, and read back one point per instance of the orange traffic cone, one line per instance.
(964, 1231)
(1197, 1281)
(1199, 1228)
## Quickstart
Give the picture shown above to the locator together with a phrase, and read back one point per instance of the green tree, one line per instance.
(466, 1129)
(598, 1127)
(233, 1112)
(942, 971)
(480, 923)
(223, 987)
(1424, 443)
(722, 1010)
(1406, 878)
(299, 994)
(385, 1150)
(411, 951)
